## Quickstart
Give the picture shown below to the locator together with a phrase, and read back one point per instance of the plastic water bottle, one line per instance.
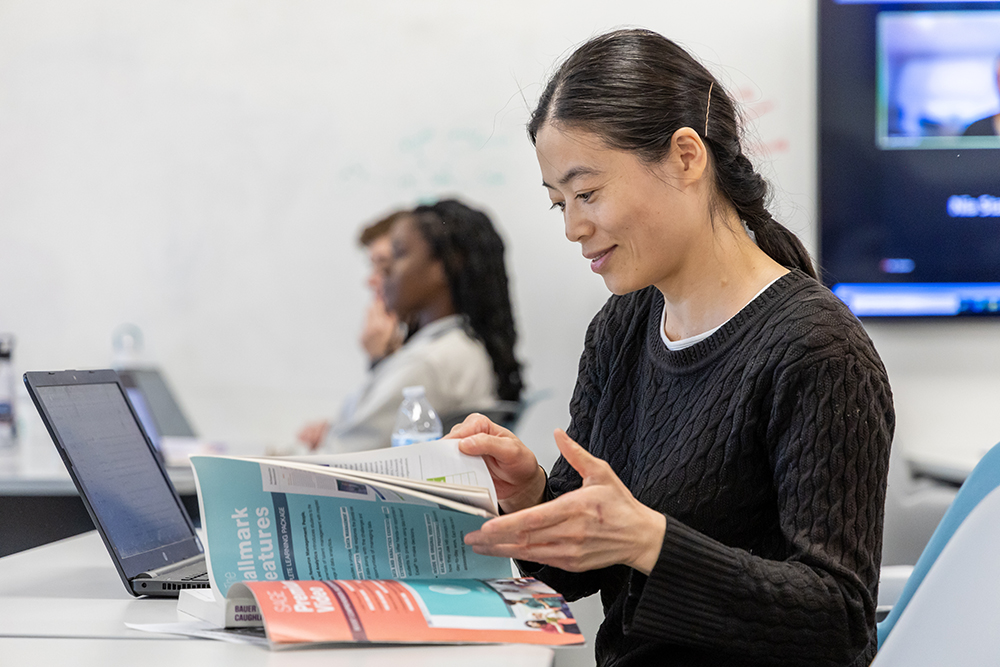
(8, 395)
(126, 347)
(416, 420)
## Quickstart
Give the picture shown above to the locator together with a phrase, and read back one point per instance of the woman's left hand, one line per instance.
(597, 525)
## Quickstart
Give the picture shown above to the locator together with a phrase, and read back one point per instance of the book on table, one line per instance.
(364, 547)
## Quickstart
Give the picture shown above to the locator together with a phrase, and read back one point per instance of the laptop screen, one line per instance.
(121, 478)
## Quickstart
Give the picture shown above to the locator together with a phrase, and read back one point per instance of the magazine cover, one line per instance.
(517, 610)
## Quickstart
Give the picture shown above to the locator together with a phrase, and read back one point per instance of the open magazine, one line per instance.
(364, 547)
(276, 519)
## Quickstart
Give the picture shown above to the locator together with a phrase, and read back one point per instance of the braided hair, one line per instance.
(471, 251)
(634, 88)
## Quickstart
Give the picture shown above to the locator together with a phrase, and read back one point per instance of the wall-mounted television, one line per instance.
(909, 156)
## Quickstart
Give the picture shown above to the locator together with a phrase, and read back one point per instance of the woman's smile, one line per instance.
(599, 259)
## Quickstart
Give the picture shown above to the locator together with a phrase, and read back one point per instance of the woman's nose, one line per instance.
(576, 225)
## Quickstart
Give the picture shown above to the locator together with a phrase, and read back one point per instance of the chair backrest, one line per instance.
(953, 616)
(504, 413)
(983, 479)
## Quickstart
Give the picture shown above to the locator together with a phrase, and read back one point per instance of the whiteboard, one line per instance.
(201, 168)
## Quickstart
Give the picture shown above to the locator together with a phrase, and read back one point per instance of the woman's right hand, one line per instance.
(517, 477)
(381, 335)
(313, 433)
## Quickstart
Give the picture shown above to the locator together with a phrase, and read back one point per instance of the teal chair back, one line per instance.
(981, 481)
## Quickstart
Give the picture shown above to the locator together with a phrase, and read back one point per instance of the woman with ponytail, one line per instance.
(723, 476)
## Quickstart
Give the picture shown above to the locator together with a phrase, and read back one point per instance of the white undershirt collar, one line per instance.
(676, 345)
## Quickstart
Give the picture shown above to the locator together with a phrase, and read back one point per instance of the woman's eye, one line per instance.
(561, 205)
(585, 196)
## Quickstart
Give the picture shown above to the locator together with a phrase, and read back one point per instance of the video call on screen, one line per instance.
(910, 144)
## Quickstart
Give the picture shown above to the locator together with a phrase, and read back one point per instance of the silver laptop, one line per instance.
(155, 404)
(122, 483)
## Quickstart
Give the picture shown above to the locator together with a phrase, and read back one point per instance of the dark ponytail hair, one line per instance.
(471, 251)
(634, 89)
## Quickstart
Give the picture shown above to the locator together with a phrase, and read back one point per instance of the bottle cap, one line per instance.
(6, 345)
(413, 392)
(126, 346)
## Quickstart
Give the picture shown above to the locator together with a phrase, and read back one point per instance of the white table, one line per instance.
(64, 604)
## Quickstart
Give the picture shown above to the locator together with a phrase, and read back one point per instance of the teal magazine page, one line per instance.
(275, 520)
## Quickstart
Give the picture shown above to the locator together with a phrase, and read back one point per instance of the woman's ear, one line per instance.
(689, 155)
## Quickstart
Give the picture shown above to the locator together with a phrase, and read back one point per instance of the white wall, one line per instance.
(201, 169)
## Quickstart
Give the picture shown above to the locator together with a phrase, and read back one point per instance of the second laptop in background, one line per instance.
(162, 418)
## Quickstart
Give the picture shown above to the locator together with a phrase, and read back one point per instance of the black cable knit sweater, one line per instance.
(766, 446)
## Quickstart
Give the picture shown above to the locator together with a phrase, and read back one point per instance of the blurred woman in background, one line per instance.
(446, 278)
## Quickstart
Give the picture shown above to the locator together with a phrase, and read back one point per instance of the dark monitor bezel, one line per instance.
(848, 27)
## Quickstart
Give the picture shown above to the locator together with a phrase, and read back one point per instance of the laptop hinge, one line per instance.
(152, 574)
